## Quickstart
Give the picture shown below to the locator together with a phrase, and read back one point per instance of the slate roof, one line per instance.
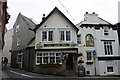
(56, 9)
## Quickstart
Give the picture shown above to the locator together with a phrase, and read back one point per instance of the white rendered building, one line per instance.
(99, 36)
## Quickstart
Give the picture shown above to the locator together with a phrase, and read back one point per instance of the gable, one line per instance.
(52, 13)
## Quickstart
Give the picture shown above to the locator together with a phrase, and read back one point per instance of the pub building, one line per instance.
(55, 44)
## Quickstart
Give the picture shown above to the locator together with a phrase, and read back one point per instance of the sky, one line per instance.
(73, 9)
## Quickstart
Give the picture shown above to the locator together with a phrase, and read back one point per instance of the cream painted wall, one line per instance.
(82, 49)
(55, 23)
(101, 52)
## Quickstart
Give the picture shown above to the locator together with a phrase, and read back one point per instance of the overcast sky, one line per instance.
(106, 9)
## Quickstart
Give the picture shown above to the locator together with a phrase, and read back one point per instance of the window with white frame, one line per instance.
(19, 58)
(17, 28)
(18, 41)
(79, 39)
(106, 30)
(110, 69)
(65, 35)
(47, 35)
(108, 48)
(89, 55)
(46, 58)
(110, 66)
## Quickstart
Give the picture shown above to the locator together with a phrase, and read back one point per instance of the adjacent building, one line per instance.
(99, 44)
(22, 35)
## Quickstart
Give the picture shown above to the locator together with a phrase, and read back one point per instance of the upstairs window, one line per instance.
(106, 32)
(65, 36)
(47, 36)
(18, 41)
(89, 40)
(17, 28)
(79, 39)
(108, 48)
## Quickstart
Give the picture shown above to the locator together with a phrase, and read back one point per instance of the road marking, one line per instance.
(20, 74)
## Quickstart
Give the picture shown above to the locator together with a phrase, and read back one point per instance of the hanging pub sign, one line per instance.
(56, 45)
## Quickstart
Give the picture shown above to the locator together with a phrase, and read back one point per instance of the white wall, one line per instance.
(55, 23)
(8, 45)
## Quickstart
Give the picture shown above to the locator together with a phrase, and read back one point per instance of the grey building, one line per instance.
(22, 36)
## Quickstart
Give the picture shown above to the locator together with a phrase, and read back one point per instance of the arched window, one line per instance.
(89, 40)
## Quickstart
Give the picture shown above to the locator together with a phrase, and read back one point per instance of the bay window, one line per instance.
(46, 58)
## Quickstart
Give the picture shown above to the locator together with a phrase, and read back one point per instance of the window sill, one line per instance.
(110, 72)
(49, 65)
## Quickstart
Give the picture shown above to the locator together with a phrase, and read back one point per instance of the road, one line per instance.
(16, 74)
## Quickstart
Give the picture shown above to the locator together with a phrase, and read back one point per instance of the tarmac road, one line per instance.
(16, 74)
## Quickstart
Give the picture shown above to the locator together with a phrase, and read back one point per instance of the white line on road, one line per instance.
(20, 74)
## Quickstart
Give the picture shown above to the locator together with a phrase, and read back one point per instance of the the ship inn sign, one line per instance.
(59, 45)
(56, 45)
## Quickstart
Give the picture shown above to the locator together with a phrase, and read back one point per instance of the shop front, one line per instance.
(56, 61)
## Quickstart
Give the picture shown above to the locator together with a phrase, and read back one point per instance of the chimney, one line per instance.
(86, 12)
(43, 18)
(93, 12)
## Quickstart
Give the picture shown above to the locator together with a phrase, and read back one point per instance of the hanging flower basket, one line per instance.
(89, 62)
(79, 54)
(64, 57)
(50, 65)
(80, 61)
(39, 45)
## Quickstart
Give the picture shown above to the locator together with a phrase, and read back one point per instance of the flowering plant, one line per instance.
(80, 61)
(50, 65)
(64, 57)
(79, 54)
(39, 45)
(89, 62)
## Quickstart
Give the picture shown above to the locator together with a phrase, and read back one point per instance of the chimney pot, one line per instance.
(86, 12)
(43, 17)
(93, 12)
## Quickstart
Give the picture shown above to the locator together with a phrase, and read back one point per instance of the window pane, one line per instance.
(67, 35)
(79, 39)
(58, 54)
(88, 55)
(50, 38)
(106, 30)
(52, 59)
(44, 36)
(58, 60)
(105, 48)
(62, 36)
(45, 60)
(111, 49)
(110, 69)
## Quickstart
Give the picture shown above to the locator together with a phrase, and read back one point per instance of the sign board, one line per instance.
(94, 52)
(56, 45)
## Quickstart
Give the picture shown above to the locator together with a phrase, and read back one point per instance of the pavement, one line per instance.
(15, 74)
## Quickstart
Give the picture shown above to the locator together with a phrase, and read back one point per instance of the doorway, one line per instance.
(69, 62)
